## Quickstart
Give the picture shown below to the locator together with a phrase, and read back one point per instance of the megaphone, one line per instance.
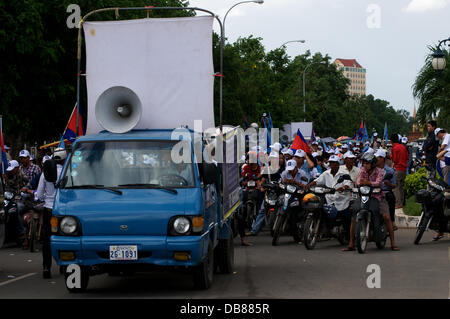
(118, 109)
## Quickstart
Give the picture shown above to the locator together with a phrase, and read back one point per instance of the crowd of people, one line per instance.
(366, 163)
(26, 176)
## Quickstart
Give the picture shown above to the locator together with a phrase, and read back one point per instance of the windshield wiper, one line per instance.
(97, 187)
(152, 186)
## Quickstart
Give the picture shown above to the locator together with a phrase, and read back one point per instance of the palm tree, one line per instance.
(432, 89)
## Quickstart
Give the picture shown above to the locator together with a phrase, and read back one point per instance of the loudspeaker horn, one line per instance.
(118, 109)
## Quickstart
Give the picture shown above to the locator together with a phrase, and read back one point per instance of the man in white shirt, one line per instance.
(46, 192)
(349, 166)
(330, 179)
(445, 146)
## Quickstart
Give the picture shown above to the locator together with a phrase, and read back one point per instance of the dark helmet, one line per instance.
(369, 157)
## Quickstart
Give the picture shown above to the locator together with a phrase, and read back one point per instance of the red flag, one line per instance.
(300, 143)
(71, 128)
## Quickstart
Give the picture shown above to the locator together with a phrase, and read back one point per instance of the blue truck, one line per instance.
(124, 203)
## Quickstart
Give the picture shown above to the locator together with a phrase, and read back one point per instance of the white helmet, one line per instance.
(254, 125)
(59, 154)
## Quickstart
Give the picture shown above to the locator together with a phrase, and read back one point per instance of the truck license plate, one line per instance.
(123, 253)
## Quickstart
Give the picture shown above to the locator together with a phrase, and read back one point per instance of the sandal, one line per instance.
(437, 237)
(348, 249)
(245, 243)
(395, 248)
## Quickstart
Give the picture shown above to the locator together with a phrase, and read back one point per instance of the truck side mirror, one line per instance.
(209, 172)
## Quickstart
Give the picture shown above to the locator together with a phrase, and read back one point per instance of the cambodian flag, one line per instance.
(300, 143)
(4, 159)
(71, 128)
(246, 123)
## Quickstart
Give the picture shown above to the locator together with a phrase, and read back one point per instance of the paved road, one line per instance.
(262, 271)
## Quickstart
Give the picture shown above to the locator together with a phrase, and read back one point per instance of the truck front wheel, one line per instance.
(203, 273)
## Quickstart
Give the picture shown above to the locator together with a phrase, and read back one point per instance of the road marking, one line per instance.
(16, 279)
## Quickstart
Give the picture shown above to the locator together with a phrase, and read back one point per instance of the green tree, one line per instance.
(432, 89)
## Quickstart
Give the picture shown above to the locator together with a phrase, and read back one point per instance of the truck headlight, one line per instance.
(68, 225)
(181, 225)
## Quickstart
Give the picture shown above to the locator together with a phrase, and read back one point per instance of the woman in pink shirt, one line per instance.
(371, 175)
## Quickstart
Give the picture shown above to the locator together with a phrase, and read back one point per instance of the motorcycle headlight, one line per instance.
(365, 190)
(319, 190)
(282, 186)
(68, 225)
(271, 201)
(291, 188)
(181, 225)
(9, 195)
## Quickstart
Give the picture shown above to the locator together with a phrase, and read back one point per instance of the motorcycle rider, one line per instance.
(27, 167)
(46, 192)
(293, 175)
(250, 171)
(271, 174)
(330, 179)
(388, 185)
(15, 180)
(430, 147)
(371, 175)
(349, 166)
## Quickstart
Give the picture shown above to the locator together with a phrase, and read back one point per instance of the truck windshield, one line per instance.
(126, 164)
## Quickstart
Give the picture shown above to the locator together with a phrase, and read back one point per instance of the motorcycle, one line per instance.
(9, 219)
(323, 220)
(251, 202)
(435, 202)
(271, 204)
(33, 221)
(290, 215)
(370, 226)
(417, 163)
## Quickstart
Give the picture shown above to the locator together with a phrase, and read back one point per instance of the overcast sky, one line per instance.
(387, 37)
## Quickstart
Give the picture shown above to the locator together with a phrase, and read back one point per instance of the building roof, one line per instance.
(350, 63)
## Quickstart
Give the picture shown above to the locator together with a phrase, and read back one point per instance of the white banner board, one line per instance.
(167, 62)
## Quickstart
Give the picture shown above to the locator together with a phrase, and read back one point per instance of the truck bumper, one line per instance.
(152, 250)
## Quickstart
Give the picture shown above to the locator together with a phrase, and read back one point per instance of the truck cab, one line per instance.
(124, 205)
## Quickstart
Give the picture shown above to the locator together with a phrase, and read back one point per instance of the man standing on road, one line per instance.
(445, 146)
(430, 147)
(46, 192)
(400, 158)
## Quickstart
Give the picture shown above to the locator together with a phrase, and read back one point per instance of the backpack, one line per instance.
(50, 171)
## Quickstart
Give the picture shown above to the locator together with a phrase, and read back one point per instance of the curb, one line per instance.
(405, 221)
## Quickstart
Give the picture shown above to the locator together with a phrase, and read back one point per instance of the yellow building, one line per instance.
(355, 73)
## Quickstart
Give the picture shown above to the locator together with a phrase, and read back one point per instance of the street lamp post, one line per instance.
(222, 40)
(301, 41)
(438, 61)
(304, 90)
(226, 14)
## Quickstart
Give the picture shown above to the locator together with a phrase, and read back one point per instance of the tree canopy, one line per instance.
(38, 78)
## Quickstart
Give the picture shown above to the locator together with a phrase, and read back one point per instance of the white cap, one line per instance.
(12, 165)
(370, 150)
(380, 153)
(288, 152)
(404, 139)
(344, 146)
(274, 154)
(375, 134)
(7, 147)
(337, 152)
(315, 154)
(349, 155)
(300, 153)
(290, 165)
(24, 153)
(314, 143)
(333, 158)
(436, 131)
(46, 158)
(330, 151)
(276, 146)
